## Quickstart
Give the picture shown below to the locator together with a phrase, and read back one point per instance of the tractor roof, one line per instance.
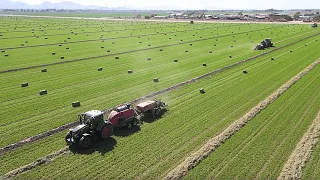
(93, 113)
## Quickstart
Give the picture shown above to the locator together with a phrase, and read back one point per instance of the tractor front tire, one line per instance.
(105, 132)
(85, 142)
(68, 136)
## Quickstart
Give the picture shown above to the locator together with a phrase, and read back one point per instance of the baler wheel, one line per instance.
(105, 132)
(85, 142)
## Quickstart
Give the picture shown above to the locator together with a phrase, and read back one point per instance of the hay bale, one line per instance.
(102, 47)
(25, 41)
(186, 51)
(155, 80)
(148, 59)
(44, 70)
(6, 55)
(245, 72)
(60, 44)
(140, 42)
(100, 69)
(232, 46)
(76, 104)
(44, 38)
(67, 48)
(22, 44)
(230, 56)
(210, 51)
(62, 57)
(272, 58)
(69, 38)
(3, 51)
(161, 49)
(175, 60)
(204, 64)
(202, 91)
(190, 44)
(117, 57)
(25, 84)
(130, 71)
(43, 92)
(149, 44)
(290, 50)
(108, 50)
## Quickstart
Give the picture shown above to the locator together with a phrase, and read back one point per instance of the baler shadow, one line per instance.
(151, 119)
(101, 146)
(124, 131)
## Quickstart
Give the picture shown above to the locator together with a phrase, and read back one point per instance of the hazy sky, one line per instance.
(198, 4)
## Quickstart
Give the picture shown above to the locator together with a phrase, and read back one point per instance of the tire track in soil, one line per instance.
(301, 154)
(195, 158)
(43, 135)
(124, 52)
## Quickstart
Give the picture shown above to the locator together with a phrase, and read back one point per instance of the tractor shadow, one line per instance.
(101, 146)
(124, 131)
(151, 119)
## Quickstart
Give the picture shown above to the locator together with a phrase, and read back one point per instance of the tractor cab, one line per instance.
(93, 118)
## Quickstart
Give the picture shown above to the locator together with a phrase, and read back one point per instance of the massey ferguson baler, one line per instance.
(93, 126)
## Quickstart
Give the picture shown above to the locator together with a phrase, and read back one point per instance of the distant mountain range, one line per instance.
(6, 4)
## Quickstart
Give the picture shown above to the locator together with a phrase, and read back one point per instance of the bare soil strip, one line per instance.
(299, 157)
(44, 160)
(135, 101)
(196, 157)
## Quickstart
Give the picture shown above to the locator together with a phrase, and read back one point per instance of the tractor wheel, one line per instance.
(68, 136)
(85, 142)
(129, 125)
(134, 122)
(157, 112)
(105, 132)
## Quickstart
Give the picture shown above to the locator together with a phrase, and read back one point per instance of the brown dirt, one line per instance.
(44, 160)
(21, 143)
(299, 157)
(195, 158)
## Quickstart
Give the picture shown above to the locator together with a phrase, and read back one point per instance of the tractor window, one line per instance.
(87, 119)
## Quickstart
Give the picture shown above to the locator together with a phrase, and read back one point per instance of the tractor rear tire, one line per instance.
(134, 122)
(85, 142)
(129, 125)
(105, 132)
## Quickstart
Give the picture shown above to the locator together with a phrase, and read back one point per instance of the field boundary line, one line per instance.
(43, 135)
(44, 160)
(301, 154)
(211, 145)
(124, 52)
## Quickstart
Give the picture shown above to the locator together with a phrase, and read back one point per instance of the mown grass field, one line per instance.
(28, 44)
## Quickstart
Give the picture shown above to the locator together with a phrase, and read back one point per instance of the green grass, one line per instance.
(260, 149)
(191, 120)
(80, 81)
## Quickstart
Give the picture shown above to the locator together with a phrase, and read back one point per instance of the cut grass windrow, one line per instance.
(299, 157)
(138, 50)
(195, 158)
(44, 160)
(69, 125)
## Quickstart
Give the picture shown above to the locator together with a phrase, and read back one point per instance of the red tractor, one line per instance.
(93, 126)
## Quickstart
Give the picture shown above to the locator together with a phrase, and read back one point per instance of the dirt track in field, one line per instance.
(299, 157)
(195, 158)
(43, 135)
